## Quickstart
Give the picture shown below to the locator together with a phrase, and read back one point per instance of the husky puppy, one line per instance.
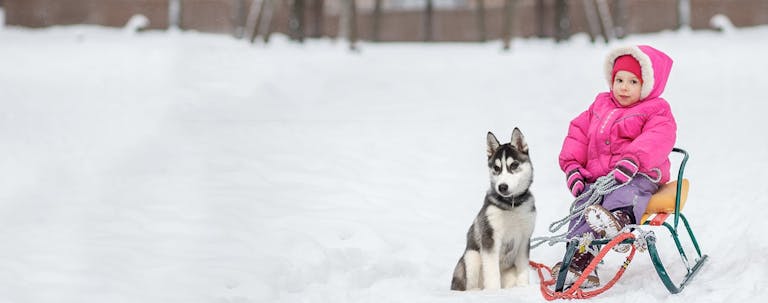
(498, 242)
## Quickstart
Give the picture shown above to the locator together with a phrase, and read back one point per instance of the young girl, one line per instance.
(628, 133)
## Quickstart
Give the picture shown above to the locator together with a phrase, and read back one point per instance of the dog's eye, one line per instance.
(496, 169)
(513, 165)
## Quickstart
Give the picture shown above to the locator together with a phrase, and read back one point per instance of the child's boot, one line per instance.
(607, 224)
(579, 262)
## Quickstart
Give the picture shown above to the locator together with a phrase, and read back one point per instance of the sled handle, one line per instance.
(679, 182)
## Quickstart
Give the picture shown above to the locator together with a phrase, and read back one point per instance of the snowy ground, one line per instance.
(185, 167)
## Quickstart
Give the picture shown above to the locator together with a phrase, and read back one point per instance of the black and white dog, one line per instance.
(498, 242)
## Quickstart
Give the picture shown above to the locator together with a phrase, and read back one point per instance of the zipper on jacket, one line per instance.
(602, 127)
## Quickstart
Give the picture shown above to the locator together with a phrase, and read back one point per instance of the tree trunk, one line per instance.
(620, 13)
(296, 20)
(562, 22)
(266, 19)
(376, 27)
(238, 18)
(606, 19)
(252, 22)
(508, 32)
(428, 14)
(593, 21)
(480, 11)
(352, 25)
(174, 14)
(683, 14)
(540, 18)
(318, 14)
(343, 32)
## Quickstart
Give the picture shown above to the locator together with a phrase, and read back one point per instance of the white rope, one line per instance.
(603, 186)
(595, 193)
(585, 244)
(641, 236)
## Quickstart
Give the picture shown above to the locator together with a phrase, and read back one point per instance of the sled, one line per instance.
(665, 205)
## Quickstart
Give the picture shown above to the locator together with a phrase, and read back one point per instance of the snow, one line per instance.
(135, 24)
(188, 167)
(721, 22)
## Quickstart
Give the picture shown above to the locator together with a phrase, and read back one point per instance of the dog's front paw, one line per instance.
(492, 286)
(509, 279)
(522, 278)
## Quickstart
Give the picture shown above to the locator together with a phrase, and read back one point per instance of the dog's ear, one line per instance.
(519, 141)
(493, 144)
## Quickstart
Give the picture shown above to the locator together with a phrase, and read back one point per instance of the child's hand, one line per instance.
(575, 182)
(625, 170)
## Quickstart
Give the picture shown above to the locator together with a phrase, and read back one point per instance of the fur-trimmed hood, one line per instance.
(655, 66)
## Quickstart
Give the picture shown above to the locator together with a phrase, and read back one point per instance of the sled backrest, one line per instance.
(671, 197)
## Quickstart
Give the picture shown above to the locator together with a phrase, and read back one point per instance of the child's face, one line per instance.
(626, 88)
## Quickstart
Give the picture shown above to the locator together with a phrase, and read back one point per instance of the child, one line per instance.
(628, 133)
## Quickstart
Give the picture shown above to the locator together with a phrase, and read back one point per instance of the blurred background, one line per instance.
(395, 20)
(150, 153)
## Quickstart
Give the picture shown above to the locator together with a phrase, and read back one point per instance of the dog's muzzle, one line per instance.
(503, 189)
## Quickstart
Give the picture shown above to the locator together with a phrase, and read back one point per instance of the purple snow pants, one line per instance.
(635, 195)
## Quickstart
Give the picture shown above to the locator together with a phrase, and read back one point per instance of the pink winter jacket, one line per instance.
(607, 132)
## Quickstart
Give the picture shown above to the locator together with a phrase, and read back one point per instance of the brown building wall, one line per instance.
(208, 15)
(741, 12)
(462, 25)
(226, 16)
(42, 13)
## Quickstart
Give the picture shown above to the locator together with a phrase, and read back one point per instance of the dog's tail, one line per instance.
(459, 281)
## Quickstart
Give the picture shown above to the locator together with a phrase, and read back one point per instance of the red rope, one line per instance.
(575, 292)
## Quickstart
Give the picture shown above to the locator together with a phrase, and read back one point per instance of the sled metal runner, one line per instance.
(691, 267)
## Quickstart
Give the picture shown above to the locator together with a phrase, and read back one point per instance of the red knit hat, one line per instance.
(627, 63)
